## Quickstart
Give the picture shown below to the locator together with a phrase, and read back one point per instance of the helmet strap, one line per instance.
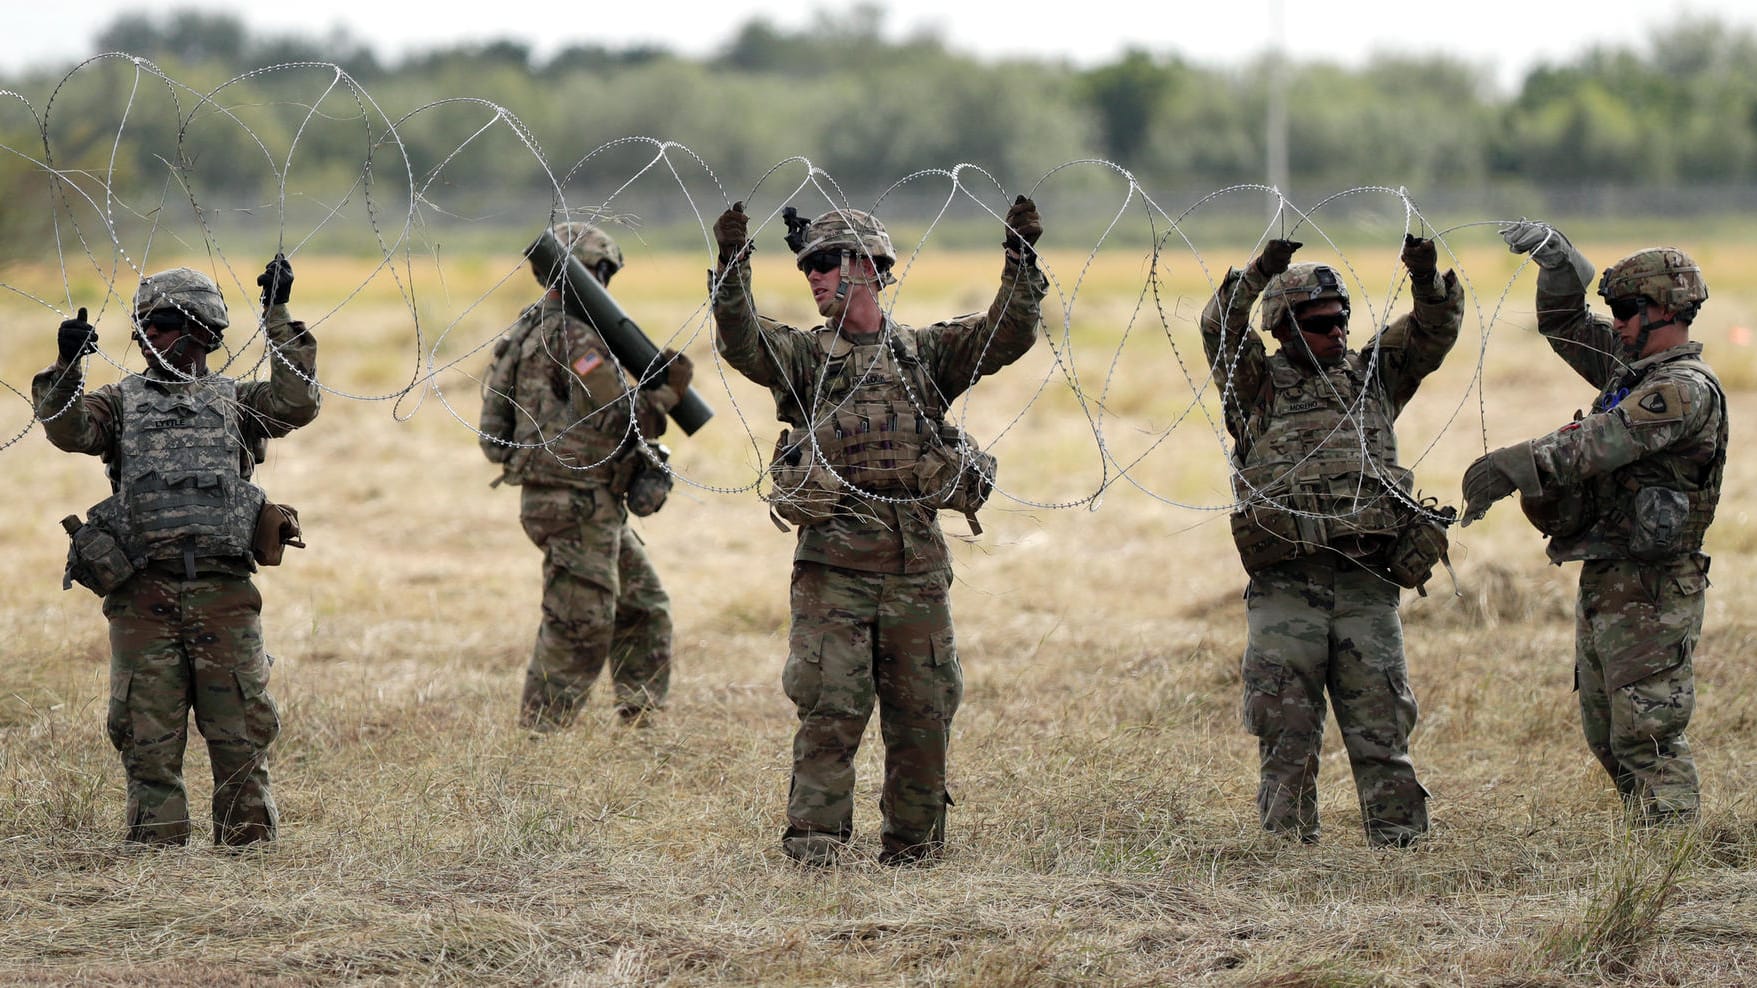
(1637, 348)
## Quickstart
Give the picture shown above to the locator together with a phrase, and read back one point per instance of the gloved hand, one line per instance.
(1548, 249)
(1496, 475)
(1420, 257)
(76, 338)
(1276, 256)
(732, 231)
(1024, 226)
(670, 369)
(276, 280)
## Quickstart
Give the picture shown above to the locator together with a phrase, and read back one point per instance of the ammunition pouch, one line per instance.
(96, 558)
(803, 491)
(648, 480)
(1420, 545)
(277, 526)
(954, 474)
(1265, 535)
(1661, 520)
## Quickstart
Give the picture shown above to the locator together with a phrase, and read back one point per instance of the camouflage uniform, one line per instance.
(871, 618)
(1659, 426)
(1317, 475)
(560, 417)
(186, 630)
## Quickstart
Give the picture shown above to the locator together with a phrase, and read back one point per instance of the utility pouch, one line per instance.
(954, 474)
(1265, 536)
(277, 526)
(1560, 515)
(1420, 545)
(95, 557)
(1661, 515)
(651, 483)
(803, 492)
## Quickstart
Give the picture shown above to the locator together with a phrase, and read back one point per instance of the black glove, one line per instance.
(1495, 476)
(1024, 226)
(276, 280)
(76, 338)
(732, 232)
(1420, 257)
(672, 370)
(1276, 256)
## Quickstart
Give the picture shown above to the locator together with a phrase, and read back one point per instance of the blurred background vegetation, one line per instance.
(1668, 131)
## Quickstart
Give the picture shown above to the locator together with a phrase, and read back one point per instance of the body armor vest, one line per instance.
(182, 471)
(870, 420)
(1626, 504)
(1317, 467)
(876, 424)
(569, 411)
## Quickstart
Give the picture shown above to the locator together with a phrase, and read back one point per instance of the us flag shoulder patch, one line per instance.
(588, 362)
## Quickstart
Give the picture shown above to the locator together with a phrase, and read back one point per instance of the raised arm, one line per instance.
(1236, 355)
(1414, 345)
(962, 350)
(1585, 341)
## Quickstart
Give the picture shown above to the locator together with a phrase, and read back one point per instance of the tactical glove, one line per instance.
(732, 232)
(276, 280)
(76, 338)
(1549, 250)
(1276, 256)
(670, 369)
(1420, 257)
(1024, 226)
(1495, 476)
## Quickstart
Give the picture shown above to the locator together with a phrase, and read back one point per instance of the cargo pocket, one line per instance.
(802, 678)
(1262, 706)
(120, 722)
(948, 674)
(1403, 704)
(262, 721)
(1659, 632)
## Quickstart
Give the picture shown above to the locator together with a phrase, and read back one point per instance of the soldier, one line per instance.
(171, 550)
(562, 420)
(867, 461)
(1629, 490)
(1327, 526)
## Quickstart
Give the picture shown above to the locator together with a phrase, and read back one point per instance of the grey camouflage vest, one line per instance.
(182, 470)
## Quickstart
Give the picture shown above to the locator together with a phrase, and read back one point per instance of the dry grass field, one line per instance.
(1104, 831)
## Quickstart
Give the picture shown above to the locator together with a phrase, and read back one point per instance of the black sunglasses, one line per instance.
(1322, 325)
(1625, 308)
(822, 262)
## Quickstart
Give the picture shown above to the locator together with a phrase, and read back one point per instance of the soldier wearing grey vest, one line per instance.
(1328, 526)
(180, 445)
(865, 465)
(563, 422)
(1629, 490)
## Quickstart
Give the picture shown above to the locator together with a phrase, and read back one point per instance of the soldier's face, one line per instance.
(1323, 327)
(824, 284)
(169, 347)
(1626, 319)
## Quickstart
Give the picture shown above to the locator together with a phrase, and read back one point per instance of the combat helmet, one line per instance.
(183, 295)
(589, 245)
(1666, 275)
(856, 234)
(1299, 284)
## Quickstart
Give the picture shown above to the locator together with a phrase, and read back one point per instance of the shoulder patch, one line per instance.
(588, 362)
(1658, 402)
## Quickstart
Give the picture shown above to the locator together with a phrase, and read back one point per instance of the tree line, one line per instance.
(869, 109)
